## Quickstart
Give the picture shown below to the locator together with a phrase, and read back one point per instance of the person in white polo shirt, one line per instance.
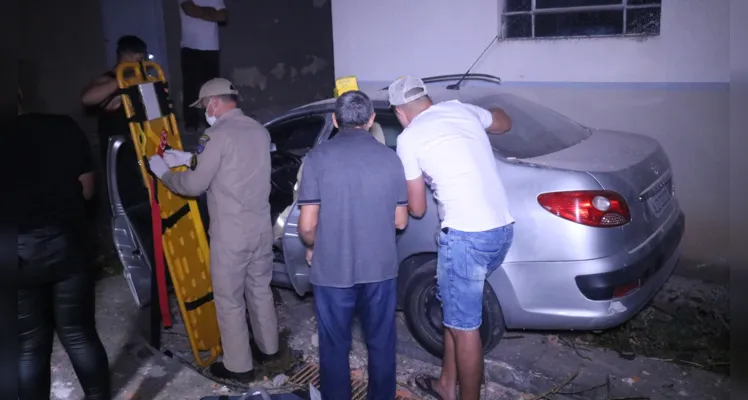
(200, 50)
(445, 146)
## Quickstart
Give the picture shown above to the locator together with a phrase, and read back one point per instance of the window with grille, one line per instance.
(579, 18)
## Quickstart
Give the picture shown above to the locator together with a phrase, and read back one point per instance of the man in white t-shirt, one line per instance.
(445, 146)
(200, 56)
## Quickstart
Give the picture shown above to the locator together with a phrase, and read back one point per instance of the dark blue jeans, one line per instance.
(374, 303)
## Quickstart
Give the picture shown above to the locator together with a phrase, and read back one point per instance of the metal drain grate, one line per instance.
(309, 373)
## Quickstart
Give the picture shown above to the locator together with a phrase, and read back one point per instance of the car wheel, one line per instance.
(407, 268)
(423, 313)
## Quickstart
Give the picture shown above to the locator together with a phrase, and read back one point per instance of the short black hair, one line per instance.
(130, 44)
(353, 109)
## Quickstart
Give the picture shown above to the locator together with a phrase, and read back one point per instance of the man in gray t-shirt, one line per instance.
(353, 196)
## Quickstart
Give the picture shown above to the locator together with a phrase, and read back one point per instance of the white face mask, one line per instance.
(211, 119)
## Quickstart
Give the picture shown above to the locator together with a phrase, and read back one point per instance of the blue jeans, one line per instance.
(465, 260)
(374, 303)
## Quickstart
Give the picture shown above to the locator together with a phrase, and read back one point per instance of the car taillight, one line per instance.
(599, 208)
(627, 289)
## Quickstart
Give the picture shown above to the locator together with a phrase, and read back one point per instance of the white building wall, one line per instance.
(381, 40)
(672, 87)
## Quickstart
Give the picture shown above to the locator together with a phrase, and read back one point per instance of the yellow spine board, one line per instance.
(345, 84)
(185, 243)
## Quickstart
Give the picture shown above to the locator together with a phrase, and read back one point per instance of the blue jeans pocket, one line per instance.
(476, 264)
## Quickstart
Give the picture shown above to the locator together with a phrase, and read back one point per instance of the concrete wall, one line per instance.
(672, 87)
(142, 18)
(60, 52)
(435, 37)
(279, 53)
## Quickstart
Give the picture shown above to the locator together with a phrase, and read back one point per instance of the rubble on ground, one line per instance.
(686, 323)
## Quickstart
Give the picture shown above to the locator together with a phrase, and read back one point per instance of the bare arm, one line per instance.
(87, 182)
(205, 13)
(415, 186)
(417, 197)
(308, 223)
(401, 211)
(309, 200)
(500, 121)
(98, 90)
(401, 217)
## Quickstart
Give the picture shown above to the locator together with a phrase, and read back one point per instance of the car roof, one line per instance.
(438, 93)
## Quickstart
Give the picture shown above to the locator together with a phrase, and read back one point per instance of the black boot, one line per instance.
(261, 357)
(219, 370)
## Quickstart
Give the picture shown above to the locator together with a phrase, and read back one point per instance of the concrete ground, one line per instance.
(141, 373)
(138, 372)
(524, 366)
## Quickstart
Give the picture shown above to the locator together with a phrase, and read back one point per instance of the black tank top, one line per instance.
(111, 123)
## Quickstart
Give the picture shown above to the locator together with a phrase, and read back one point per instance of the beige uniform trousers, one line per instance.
(241, 281)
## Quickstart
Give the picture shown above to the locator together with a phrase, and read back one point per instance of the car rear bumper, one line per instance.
(580, 295)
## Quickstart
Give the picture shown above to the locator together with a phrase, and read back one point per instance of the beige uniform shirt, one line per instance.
(232, 163)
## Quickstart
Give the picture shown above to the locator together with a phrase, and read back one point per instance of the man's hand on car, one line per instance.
(309, 253)
(158, 166)
(177, 158)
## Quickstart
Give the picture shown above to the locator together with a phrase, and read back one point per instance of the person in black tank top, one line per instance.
(101, 94)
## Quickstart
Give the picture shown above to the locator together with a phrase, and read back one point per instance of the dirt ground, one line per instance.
(525, 365)
(141, 373)
(687, 323)
(299, 348)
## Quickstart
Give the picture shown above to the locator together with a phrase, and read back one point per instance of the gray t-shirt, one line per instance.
(358, 183)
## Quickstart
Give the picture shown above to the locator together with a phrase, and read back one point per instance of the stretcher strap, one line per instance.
(172, 220)
(195, 304)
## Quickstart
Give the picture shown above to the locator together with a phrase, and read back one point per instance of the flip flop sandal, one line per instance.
(426, 384)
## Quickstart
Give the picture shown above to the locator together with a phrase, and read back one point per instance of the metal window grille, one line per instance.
(580, 18)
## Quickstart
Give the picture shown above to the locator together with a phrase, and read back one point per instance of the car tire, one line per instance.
(407, 268)
(423, 314)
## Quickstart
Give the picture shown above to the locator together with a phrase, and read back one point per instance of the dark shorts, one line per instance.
(465, 260)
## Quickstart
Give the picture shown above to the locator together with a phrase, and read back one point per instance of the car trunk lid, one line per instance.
(632, 165)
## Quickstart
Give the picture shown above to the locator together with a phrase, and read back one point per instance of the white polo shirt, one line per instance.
(197, 33)
(449, 146)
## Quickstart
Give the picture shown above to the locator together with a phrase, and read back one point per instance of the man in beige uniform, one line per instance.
(232, 163)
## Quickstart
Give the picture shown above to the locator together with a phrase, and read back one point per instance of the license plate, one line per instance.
(659, 202)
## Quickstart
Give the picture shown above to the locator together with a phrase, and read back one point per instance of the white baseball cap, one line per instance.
(215, 87)
(399, 89)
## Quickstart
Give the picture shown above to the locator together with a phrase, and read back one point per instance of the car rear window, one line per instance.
(536, 130)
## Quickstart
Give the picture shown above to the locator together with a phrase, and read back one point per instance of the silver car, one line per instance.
(597, 230)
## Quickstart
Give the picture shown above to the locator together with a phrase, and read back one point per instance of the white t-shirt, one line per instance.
(449, 146)
(197, 33)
